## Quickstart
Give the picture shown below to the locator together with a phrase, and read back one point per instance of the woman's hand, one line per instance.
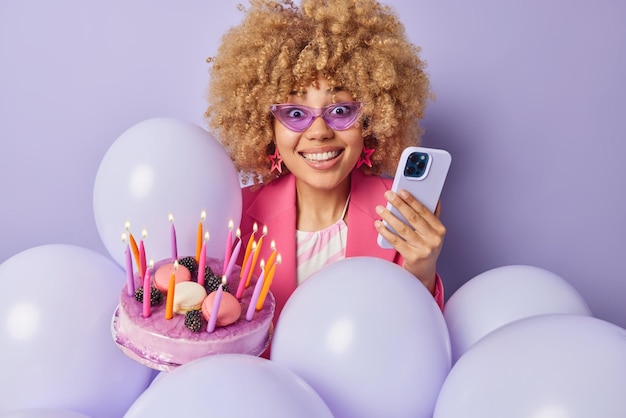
(419, 243)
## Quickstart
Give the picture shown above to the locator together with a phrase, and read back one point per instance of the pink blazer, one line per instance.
(274, 206)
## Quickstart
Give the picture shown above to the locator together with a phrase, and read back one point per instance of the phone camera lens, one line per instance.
(409, 170)
(421, 165)
(413, 158)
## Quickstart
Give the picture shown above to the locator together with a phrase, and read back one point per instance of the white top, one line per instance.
(319, 248)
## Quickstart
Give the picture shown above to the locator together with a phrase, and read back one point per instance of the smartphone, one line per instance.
(421, 171)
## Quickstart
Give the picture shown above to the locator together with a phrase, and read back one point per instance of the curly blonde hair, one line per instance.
(358, 45)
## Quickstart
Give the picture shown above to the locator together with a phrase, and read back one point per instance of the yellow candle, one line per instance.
(169, 303)
(248, 249)
(255, 255)
(267, 283)
(199, 238)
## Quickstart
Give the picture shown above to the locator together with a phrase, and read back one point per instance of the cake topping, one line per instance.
(212, 281)
(188, 296)
(191, 264)
(164, 272)
(156, 296)
(229, 309)
(193, 320)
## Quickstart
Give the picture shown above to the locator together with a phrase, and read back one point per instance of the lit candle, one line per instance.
(147, 294)
(246, 255)
(234, 255)
(130, 280)
(142, 253)
(173, 238)
(202, 260)
(255, 255)
(242, 281)
(199, 238)
(229, 245)
(256, 293)
(270, 261)
(216, 307)
(169, 302)
(133, 244)
(267, 282)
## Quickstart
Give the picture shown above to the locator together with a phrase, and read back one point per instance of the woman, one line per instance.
(315, 105)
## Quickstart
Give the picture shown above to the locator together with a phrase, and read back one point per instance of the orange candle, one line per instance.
(169, 302)
(199, 238)
(270, 261)
(267, 283)
(255, 255)
(248, 248)
(133, 245)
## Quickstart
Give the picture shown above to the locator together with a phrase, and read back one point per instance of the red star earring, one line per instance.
(277, 162)
(365, 157)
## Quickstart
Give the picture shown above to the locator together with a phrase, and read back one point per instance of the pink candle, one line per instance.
(229, 246)
(233, 258)
(130, 280)
(216, 307)
(173, 239)
(202, 260)
(147, 290)
(242, 281)
(256, 294)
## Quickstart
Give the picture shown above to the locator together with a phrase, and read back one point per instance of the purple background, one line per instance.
(530, 103)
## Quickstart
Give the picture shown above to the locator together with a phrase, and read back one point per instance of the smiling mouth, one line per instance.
(320, 156)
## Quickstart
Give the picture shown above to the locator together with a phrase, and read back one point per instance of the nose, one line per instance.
(319, 130)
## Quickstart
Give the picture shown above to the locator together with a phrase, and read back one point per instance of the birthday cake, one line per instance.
(196, 327)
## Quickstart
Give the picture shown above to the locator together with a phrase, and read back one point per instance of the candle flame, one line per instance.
(175, 265)
(255, 228)
(206, 236)
(264, 229)
(144, 233)
(127, 226)
(262, 264)
(203, 215)
(253, 246)
(273, 245)
(238, 233)
(224, 280)
(151, 264)
(279, 259)
(231, 225)
(170, 217)
(124, 237)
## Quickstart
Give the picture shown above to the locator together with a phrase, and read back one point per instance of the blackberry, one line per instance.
(155, 295)
(212, 281)
(191, 264)
(193, 320)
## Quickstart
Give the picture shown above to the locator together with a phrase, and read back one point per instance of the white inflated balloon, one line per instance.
(166, 166)
(368, 337)
(545, 366)
(502, 295)
(229, 385)
(55, 334)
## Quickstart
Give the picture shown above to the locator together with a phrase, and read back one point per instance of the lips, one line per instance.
(317, 157)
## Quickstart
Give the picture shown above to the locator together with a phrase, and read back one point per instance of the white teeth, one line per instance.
(321, 156)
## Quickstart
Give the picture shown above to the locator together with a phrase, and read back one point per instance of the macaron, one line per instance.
(188, 296)
(164, 272)
(229, 310)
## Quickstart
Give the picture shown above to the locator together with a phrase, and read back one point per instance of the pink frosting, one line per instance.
(165, 344)
(229, 311)
(164, 273)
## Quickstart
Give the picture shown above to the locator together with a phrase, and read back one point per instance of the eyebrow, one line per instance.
(332, 90)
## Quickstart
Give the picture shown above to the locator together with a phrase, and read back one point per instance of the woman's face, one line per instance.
(319, 156)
